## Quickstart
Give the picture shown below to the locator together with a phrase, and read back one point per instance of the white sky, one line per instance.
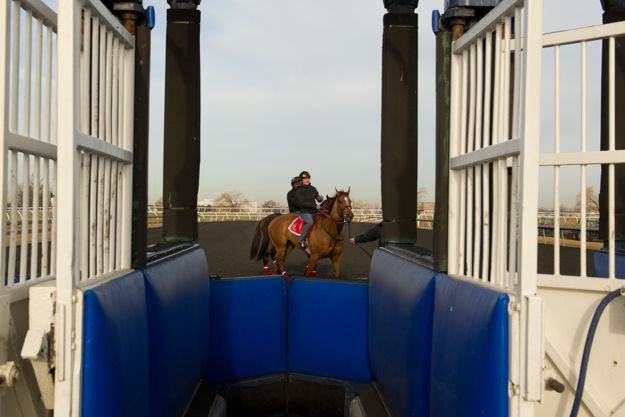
(290, 86)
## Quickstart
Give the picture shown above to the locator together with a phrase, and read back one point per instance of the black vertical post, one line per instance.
(140, 147)
(399, 127)
(443, 96)
(613, 15)
(182, 126)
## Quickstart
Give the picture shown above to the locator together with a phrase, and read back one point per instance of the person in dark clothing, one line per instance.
(290, 197)
(306, 195)
(372, 234)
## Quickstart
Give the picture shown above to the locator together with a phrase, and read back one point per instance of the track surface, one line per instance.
(227, 247)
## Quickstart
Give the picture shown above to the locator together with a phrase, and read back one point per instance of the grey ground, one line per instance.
(227, 246)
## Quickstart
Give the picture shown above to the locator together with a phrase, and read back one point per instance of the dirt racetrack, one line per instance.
(227, 246)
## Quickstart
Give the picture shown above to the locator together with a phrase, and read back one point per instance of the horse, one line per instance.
(261, 240)
(325, 239)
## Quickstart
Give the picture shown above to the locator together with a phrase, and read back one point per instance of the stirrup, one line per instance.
(301, 244)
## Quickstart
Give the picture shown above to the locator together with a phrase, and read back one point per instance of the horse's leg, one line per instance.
(336, 264)
(276, 270)
(312, 264)
(281, 258)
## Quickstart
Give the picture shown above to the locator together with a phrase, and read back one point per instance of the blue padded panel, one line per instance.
(115, 356)
(328, 329)
(401, 295)
(178, 304)
(248, 328)
(469, 350)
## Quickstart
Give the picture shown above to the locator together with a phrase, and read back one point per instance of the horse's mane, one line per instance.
(328, 203)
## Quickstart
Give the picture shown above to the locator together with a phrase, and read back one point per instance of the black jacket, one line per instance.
(306, 196)
(371, 235)
(292, 200)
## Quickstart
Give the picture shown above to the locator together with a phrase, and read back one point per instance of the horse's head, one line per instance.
(344, 205)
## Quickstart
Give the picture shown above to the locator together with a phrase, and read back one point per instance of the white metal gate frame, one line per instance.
(96, 81)
(516, 148)
(474, 145)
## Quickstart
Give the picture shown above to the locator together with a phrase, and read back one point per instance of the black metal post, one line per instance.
(182, 125)
(140, 147)
(443, 91)
(612, 15)
(399, 127)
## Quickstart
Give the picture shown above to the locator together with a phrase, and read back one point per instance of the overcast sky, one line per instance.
(290, 86)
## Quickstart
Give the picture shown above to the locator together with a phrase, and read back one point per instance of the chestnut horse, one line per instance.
(325, 239)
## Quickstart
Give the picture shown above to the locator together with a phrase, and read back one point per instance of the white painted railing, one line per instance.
(28, 144)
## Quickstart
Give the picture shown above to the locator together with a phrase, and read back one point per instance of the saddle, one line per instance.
(298, 225)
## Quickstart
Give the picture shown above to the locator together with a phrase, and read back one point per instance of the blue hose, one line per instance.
(591, 335)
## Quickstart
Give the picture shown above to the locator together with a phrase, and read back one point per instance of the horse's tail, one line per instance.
(260, 241)
(264, 235)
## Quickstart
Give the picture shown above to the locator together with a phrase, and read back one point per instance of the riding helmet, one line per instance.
(294, 180)
(304, 174)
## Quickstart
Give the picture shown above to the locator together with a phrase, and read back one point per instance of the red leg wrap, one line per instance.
(266, 270)
(314, 274)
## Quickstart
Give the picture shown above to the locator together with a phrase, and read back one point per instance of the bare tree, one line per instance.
(31, 187)
(592, 201)
(159, 202)
(357, 204)
(232, 200)
(270, 204)
(421, 194)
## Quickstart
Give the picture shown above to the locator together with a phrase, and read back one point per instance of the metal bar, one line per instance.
(587, 34)
(495, 248)
(13, 230)
(514, 209)
(34, 251)
(84, 216)
(16, 66)
(95, 44)
(488, 154)
(38, 71)
(582, 158)
(486, 167)
(5, 43)
(84, 72)
(120, 108)
(25, 217)
(93, 187)
(517, 77)
(31, 146)
(108, 136)
(119, 215)
(113, 215)
(99, 147)
(471, 170)
(582, 237)
(612, 147)
(488, 22)
(463, 173)
(48, 98)
(115, 101)
(106, 215)
(454, 175)
(478, 223)
(129, 95)
(102, 82)
(556, 241)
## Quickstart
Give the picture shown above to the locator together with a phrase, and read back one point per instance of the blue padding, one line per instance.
(469, 350)
(178, 305)
(248, 328)
(401, 295)
(328, 329)
(602, 263)
(115, 355)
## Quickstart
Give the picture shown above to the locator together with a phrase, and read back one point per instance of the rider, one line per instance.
(290, 196)
(306, 195)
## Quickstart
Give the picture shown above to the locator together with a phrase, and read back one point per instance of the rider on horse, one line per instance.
(291, 198)
(306, 195)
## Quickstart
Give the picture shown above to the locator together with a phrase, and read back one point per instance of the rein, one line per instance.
(349, 227)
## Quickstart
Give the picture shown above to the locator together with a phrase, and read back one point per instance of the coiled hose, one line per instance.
(591, 335)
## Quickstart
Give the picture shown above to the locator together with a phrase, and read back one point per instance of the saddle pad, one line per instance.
(298, 225)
